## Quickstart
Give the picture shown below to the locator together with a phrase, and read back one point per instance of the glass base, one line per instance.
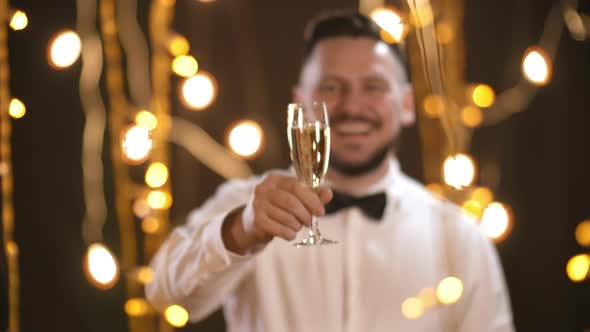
(314, 240)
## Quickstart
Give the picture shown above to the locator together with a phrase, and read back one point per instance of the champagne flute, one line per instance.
(308, 133)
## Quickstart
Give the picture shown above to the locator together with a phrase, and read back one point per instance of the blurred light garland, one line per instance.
(10, 247)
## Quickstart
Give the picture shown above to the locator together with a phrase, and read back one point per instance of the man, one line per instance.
(237, 250)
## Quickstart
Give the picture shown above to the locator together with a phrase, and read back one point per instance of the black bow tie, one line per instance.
(372, 206)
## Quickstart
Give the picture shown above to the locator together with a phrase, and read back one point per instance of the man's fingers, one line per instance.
(305, 195)
(290, 203)
(274, 228)
(283, 217)
(325, 195)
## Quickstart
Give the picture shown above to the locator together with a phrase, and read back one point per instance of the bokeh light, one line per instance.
(147, 120)
(412, 308)
(141, 208)
(444, 33)
(17, 108)
(64, 49)
(19, 20)
(245, 138)
(471, 116)
(449, 290)
(583, 233)
(482, 195)
(136, 144)
(150, 225)
(101, 267)
(144, 274)
(428, 297)
(199, 91)
(176, 315)
(536, 66)
(436, 189)
(156, 175)
(459, 171)
(178, 45)
(185, 65)
(577, 267)
(434, 105)
(390, 21)
(495, 221)
(159, 200)
(135, 307)
(472, 209)
(483, 95)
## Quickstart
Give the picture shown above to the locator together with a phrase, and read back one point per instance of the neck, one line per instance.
(357, 184)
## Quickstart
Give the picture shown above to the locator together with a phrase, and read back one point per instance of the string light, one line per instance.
(156, 175)
(449, 290)
(390, 21)
(412, 308)
(472, 209)
(65, 49)
(176, 315)
(536, 66)
(147, 120)
(19, 20)
(434, 105)
(185, 65)
(16, 109)
(577, 267)
(141, 208)
(495, 221)
(159, 200)
(136, 307)
(583, 233)
(245, 138)
(459, 171)
(150, 225)
(178, 45)
(136, 144)
(482, 195)
(428, 297)
(483, 95)
(199, 91)
(145, 275)
(101, 267)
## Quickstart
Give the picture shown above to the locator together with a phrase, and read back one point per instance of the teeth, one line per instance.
(352, 128)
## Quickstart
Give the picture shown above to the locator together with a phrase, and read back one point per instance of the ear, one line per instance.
(408, 114)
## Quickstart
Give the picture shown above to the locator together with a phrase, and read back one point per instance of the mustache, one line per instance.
(357, 118)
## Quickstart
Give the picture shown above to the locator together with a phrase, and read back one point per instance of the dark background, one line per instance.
(253, 49)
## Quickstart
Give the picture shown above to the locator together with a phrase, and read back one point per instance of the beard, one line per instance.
(356, 169)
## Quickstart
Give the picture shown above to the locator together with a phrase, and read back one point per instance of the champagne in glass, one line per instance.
(308, 133)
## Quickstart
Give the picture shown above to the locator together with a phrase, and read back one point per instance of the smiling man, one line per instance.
(395, 239)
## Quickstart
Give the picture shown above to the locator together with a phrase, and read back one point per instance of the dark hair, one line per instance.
(345, 23)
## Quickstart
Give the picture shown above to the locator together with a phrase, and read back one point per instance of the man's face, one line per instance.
(368, 101)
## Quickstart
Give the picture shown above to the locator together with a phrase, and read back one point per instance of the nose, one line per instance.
(351, 102)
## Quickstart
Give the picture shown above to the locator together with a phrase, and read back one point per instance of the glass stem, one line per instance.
(314, 226)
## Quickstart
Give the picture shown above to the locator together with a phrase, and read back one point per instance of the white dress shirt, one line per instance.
(358, 284)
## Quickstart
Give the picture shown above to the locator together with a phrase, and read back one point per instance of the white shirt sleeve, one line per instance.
(192, 267)
(485, 304)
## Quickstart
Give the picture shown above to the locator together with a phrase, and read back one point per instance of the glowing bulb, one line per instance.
(245, 138)
(577, 267)
(434, 105)
(147, 120)
(136, 307)
(199, 91)
(185, 65)
(159, 200)
(176, 315)
(65, 49)
(136, 144)
(495, 221)
(178, 45)
(583, 233)
(16, 109)
(472, 209)
(459, 171)
(471, 116)
(449, 290)
(412, 308)
(19, 20)
(390, 21)
(536, 66)
(483, 95)
(156, 175)
(101, 266)
(150, 225)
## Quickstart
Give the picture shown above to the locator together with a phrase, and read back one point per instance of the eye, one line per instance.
(376, 87)
(330, 87)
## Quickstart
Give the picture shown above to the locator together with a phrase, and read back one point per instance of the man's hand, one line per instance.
(280, 206)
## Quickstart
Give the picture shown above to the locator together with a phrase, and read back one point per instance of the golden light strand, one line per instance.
(11, 247)
(117, 117)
